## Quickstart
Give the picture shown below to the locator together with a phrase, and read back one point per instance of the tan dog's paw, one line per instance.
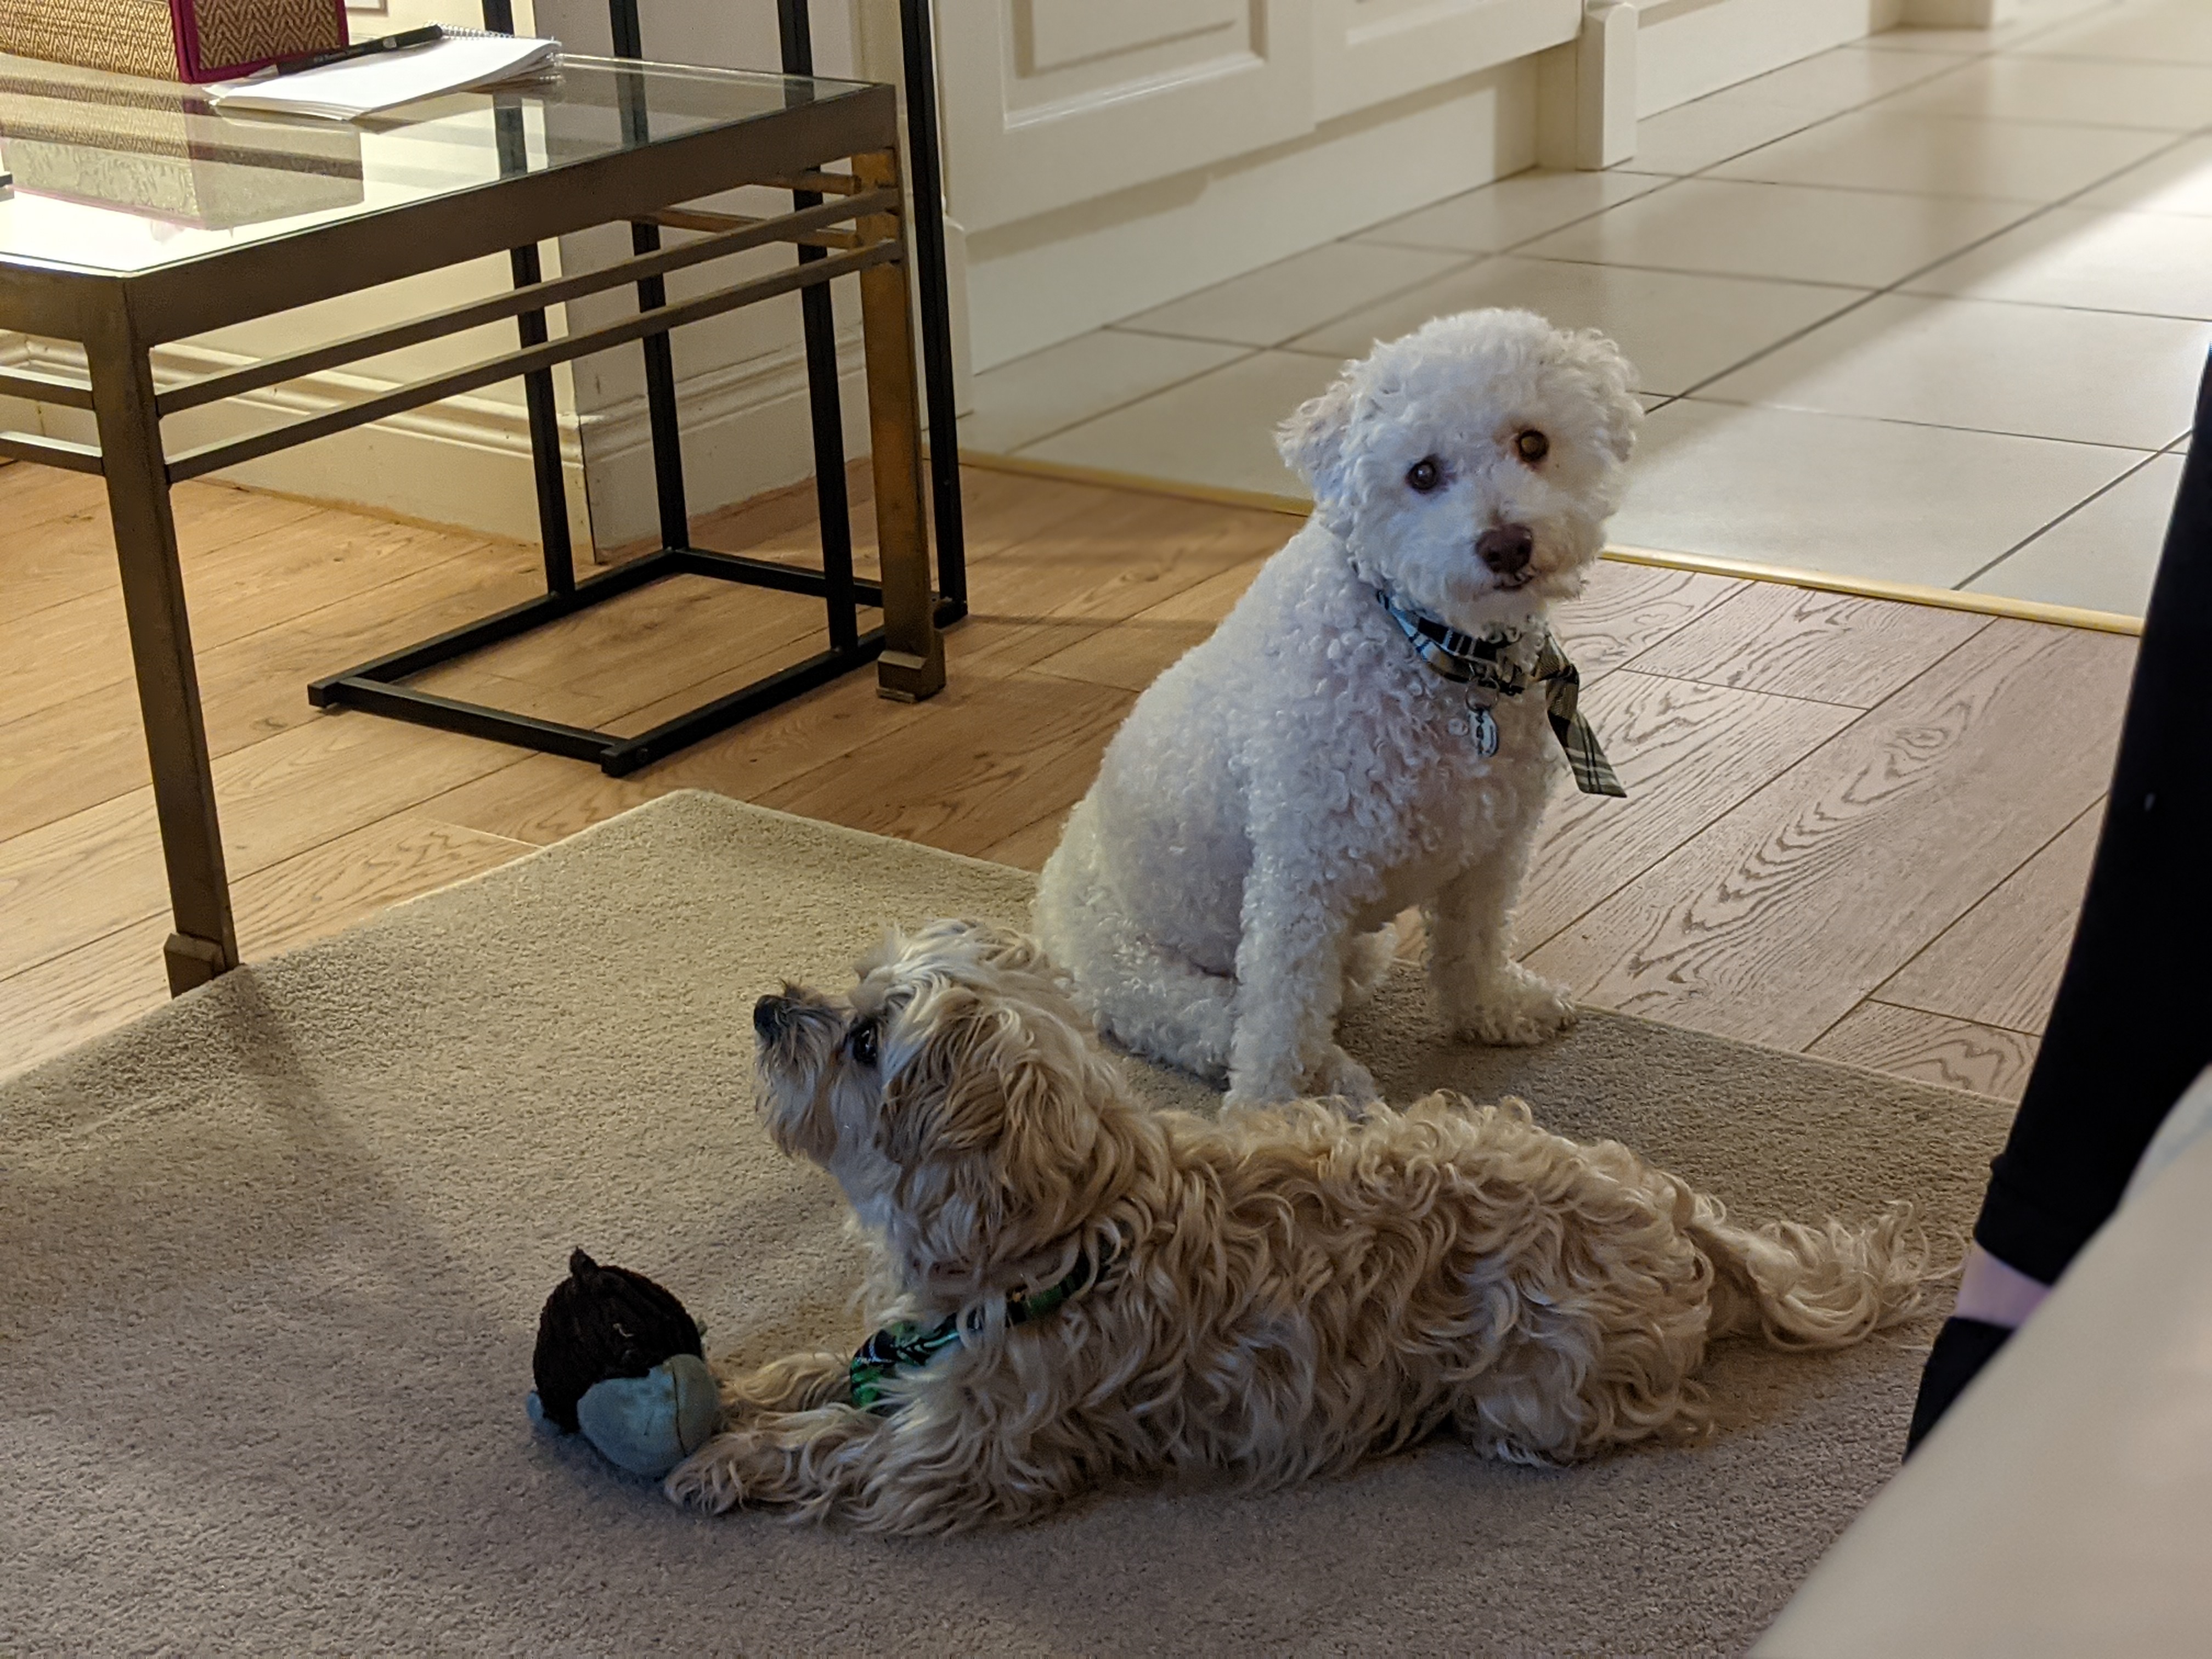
(709, 1479)
(1516, 1009)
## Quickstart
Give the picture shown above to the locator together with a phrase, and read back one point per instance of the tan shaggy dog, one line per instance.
(1272, 1297)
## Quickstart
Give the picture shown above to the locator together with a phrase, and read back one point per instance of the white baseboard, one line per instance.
(464, 462)
(1687, 48)
(1049, 279)
(1958, 13)
(746, 430)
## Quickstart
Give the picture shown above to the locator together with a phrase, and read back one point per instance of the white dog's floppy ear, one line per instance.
(1313, 441)
(1611, 375)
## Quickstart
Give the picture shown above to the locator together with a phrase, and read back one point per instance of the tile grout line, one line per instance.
(1960, 587)
(1989, 54)
(1468, 264)
(1461, 261)
(1895, 286)
(2035, 212)
(1247, 353)
(1666, 181)
(2150, 452)
(1514, 250)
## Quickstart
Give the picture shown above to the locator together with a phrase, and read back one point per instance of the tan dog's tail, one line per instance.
(1814, 1287)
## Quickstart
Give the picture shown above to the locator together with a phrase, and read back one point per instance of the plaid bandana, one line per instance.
(905, 1346)
(1486, 666)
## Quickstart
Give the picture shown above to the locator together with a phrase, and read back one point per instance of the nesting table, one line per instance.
(141, 218)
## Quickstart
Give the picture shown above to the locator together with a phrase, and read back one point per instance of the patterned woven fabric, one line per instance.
(140, 37)
(253, 31)
(1494, 667)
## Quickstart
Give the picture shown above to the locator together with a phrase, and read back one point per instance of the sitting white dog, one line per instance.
(1374, 727)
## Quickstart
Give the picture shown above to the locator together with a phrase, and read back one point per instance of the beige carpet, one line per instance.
(271, 1262)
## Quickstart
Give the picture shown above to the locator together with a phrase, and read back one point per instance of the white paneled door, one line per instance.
(1370, 51)
(1052, 101)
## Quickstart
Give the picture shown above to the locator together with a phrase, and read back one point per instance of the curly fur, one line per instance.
(1289, 1290)
(1281, 793)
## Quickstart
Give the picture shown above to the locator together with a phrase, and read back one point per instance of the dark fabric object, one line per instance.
(601, 1322)
(1962, 1347)
(2132, 1025)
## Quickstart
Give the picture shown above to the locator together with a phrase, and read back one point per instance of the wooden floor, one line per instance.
(1854, 828)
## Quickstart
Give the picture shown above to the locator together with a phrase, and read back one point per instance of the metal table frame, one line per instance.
(844, 223)
(379, 685)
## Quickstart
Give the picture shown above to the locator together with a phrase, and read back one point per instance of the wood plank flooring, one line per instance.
(1855, 828)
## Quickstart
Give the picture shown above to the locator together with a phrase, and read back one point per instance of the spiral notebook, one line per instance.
(463, 61)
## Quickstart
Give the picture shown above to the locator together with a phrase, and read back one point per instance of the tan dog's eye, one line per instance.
(862, 1044)
(1532, 446)
(1425, 475)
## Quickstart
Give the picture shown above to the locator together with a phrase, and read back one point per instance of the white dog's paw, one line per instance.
(1514, 1009)
(1245, 1093)
(1368, 960)
(1341, 1076)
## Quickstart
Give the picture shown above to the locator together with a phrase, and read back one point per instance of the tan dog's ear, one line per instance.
(989, 1122)
(945, 1098)
(990, 945)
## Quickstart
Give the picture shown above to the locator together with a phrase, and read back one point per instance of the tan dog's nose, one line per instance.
(1505, 548)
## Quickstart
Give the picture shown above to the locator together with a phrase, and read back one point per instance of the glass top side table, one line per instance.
(140, 216)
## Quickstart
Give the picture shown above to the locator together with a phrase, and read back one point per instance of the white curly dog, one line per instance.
(1374, 727)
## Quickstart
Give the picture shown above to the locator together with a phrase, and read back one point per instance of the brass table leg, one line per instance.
(912, 667)
(205, 942)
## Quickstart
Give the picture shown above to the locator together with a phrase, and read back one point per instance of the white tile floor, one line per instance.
(1931, 308)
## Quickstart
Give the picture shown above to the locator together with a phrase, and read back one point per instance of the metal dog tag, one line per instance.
(1483, 725)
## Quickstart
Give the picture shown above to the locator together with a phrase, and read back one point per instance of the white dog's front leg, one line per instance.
(1290, 985)
(1485, 994)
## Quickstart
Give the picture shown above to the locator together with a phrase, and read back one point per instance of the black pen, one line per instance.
(400, 42)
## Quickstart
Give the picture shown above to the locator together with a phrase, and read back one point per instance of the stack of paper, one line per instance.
(459, 63)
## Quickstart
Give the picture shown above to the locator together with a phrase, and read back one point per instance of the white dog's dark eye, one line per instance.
(1532, 446)
(1424, 474)
(862, 1043)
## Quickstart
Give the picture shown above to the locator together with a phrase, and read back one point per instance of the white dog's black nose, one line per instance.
(1505, 548)
(767, 1014)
